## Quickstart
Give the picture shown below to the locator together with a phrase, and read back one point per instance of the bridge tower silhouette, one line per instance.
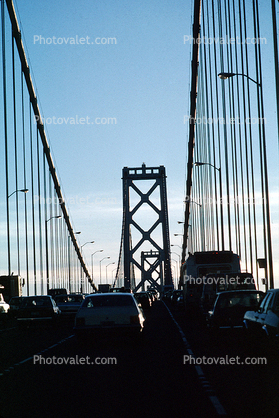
(155, 265)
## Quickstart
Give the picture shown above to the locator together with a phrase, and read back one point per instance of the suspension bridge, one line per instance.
(227, 200)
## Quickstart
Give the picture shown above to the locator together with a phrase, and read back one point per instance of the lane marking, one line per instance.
(6, 329)
(205, 383)
(11, 368)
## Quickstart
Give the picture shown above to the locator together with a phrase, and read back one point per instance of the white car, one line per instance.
(109, 312)
(4, 307)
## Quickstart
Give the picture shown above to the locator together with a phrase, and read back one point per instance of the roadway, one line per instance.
(145, 379)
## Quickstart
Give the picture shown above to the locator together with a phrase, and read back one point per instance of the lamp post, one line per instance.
(225, 76)
(178, 256)
(107, 271)
(20, 190)
(101, 268)
(198, 164)
(192, 201)
(47, 261)
(265, 192)
(174, 245)
(99, 251)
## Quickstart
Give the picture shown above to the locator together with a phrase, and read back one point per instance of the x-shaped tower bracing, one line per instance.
(161, 265)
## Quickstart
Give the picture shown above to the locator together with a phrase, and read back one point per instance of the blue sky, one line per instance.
(140, 83)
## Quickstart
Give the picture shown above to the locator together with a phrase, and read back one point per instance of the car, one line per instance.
(176, 294)
(264, 322)
(217, 282)
(154, 293)
(230, 307)
(144, 299)
(4, 308)
(38, 309)
(69, 304)
(109, 313)
(15, 303)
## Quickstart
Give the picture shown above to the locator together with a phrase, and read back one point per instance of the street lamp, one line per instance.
(88, 242)
(99, 251)
(101, 268)
(177, 255)
(47, 261)
(198, 164)
(192, 201)
(21, 190)
(107, 271)
(224, 76)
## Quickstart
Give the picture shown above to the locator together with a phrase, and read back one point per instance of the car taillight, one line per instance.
(80, 322)
(134, 319)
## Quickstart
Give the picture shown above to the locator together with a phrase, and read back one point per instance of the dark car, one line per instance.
(15, 303)
(144, 299)
(216, 283)
(176, 294)
(38, 309)
(264, 322)
(69, 304)
(230, 307)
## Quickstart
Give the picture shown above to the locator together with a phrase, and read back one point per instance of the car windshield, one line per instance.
(76, 298)
(246, 299)
(37, 301)
(61, 299)
(99, 301)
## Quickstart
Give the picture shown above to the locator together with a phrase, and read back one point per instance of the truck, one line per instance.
(104, 288)
(11, 286)
(200, 264)
(57, 291)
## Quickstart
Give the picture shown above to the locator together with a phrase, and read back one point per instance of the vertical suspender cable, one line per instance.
(33, 202)
(15, 153)
(25, 186)
(218, 130)
(6, 131)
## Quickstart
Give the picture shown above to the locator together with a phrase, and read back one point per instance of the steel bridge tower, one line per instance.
(161, 265)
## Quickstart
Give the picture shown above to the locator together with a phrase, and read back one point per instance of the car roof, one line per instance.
(230, 292)
(113, 294)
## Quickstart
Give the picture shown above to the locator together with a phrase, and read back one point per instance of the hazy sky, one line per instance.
(113, 80)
